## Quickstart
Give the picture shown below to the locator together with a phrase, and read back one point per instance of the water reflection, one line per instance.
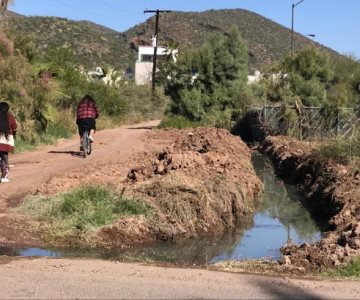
(280, 217)
(281, 201)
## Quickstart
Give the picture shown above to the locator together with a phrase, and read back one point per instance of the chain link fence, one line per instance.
(309, 122)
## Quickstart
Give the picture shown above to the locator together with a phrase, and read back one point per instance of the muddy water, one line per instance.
(280, 218)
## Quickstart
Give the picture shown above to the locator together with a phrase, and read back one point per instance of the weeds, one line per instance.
(177, 121)
(75, 216)
(342, 150)
(350, 270)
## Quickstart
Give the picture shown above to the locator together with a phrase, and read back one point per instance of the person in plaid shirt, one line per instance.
(86, 114)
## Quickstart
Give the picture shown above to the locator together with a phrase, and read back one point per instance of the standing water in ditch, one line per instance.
(280, 218)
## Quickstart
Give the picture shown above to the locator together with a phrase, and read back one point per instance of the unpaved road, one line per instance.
(33, 168)
(67, 278)
(89, 279)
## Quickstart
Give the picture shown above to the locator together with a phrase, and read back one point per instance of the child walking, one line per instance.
(8, 128)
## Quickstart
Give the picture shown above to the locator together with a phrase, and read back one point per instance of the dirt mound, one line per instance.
(203, 183)
(199, 182)
(201, 153)
(332, 194)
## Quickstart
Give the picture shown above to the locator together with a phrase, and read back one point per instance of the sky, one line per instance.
(335, 23)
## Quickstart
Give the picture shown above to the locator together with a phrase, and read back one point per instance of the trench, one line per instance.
(280, 218)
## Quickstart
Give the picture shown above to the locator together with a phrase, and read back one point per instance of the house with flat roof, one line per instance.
(144, 64)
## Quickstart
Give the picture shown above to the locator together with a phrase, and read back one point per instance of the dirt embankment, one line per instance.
(332, 194)
(199, 182)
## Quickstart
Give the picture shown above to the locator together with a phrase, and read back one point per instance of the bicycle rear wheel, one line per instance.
(85, 141)
(88, 149)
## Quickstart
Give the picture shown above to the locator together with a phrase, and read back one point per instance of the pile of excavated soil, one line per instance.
(332, 194)
(199, 182)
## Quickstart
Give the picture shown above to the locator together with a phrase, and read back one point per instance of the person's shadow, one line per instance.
(72, 153)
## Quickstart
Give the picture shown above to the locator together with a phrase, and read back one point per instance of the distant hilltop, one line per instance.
(94, 44)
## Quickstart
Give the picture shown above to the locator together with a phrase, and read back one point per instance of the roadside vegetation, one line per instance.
(349, 270)
(43, 93)
(73, 218)
(208, 86)
(342, 150)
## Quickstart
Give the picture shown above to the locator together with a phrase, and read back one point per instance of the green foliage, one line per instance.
(177, 121)
(311, 74)
(43, 93)
(346, 88)
(311, 92)
(311, 64)
(25, 45)
(205, 85)
(349, 270)
(313, 78)
(79, 212)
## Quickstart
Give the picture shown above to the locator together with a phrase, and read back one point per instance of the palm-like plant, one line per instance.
(5, 3)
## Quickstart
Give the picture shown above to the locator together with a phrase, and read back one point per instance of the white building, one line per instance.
(144, 64)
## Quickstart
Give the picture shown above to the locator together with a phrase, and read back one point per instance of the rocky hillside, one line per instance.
(94, 44)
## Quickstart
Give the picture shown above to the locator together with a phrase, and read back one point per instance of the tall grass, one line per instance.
(71, 219)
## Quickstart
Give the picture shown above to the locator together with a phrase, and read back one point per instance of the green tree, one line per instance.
(309, 76)
(210, 80)
(311, 64)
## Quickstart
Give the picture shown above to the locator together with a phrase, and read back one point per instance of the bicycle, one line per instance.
(86, 143)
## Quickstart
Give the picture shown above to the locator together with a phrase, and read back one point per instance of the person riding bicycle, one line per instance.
(8, 128)
(86, 114)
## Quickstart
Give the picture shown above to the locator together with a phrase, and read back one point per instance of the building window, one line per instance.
(146, 58)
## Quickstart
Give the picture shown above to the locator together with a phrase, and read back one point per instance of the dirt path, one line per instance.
(89, 279)
(31, 169)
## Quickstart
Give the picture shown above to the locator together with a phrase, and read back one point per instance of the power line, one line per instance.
(92, 13)
(117, 9)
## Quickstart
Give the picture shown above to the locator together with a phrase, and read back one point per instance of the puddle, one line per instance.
(280, 217)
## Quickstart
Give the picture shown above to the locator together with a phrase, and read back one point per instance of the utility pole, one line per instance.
(292, 31)
(157, 12)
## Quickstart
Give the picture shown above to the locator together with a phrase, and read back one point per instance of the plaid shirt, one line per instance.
(87, 109)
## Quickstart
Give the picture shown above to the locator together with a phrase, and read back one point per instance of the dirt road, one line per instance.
(31, 169)
(89, 279)
(66, 278)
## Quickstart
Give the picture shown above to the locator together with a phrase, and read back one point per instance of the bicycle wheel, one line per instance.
(88, 149)
(85, 141)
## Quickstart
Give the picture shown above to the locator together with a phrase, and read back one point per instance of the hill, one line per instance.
(97, 45)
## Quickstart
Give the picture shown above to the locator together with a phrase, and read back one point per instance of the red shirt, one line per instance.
(87, 109)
